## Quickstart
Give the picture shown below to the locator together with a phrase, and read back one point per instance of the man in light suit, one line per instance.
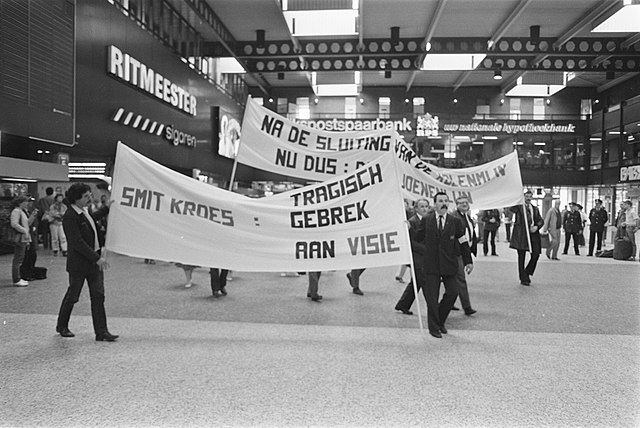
(444, 239)
(85, 261)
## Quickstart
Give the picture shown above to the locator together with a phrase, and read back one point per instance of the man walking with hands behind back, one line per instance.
(85, 261)
(553, 225)
(532, 221)
(444, 239)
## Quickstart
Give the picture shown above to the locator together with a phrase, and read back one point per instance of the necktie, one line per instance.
(441, 223)
(469, 226)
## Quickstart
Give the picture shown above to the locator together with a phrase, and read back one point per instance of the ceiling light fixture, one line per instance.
(280, 75)
(497, 74)
(387, 74)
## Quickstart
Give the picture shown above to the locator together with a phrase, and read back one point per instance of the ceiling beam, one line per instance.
(602, 11)
(502, 29)
(497, 35)
(431, 28)
(616, 81)
(295, 42)
(579, 25)
(226, 38)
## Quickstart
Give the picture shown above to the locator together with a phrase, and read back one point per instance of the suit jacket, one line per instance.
(488, 215)
(417, 247)
(443, 248)
(473, 244)
(81, 256)
(519, 239)
(598, 219)
(572, 222)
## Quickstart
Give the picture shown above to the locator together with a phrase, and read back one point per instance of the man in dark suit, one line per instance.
(444, 239)
(462, 212)
(519, 241)
(417, 250)
(85, 261)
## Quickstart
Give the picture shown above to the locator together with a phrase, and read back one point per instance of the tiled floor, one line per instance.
(563, 352)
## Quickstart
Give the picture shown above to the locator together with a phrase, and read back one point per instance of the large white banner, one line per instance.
(354, 220)
(276, 144)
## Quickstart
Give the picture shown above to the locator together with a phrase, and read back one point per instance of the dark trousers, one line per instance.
(567, 238)
(463, 291)
(95, 280)
(46, 234)
(218, 278)
(595, 236)
(526, 271)
(314, 278)
(354, 279)
(507, 226)
(29, 262)
(437, 313)
(408, 296)
(485, 244)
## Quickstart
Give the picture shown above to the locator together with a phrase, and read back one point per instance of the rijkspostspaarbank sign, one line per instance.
(134, 72)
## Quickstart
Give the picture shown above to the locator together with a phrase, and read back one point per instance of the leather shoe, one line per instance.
(525, 282)
(106, 337)
(455, 308)
(356, 290)
(64, 332)
(317, 297)
(217, 293)
(470, 311)
(443, 330)
(223, 291)
(404, 311)
(435, 334)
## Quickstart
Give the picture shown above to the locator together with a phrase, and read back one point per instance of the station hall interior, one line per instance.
(463, 82)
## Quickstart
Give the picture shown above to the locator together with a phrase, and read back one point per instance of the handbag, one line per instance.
(581, 239)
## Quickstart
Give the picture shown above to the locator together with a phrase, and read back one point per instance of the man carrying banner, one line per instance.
(526, 237)
(417, 250)
(444, 238)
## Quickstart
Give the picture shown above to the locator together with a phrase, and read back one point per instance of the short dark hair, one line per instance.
(58, 194)
(528, 191)
(49, 190)
(435, 197)
(76, 191)
(598, 201)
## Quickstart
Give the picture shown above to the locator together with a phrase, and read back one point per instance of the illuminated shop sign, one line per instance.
(511, 128)
(346, 125)
(168, 132)
(229, 131)
(127, 68)
(630, 173)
